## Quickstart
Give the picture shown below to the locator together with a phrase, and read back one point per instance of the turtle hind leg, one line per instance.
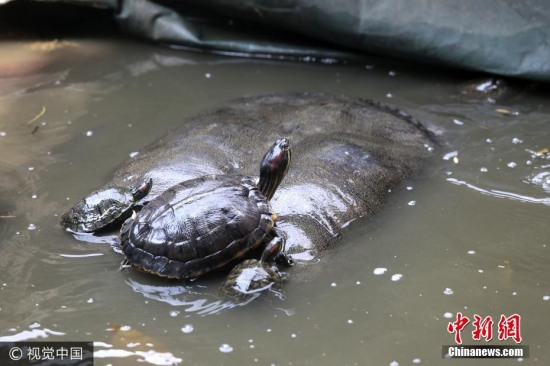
(275, 249)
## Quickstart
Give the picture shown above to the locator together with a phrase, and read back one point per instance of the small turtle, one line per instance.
(251, 277)
(202, 224)
(102, 208)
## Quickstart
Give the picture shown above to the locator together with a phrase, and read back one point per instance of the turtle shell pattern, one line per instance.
(98, 210)
(197, 226)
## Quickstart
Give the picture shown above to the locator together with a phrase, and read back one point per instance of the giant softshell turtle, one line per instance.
(347, 155)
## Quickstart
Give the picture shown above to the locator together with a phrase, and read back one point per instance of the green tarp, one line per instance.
(504, 37)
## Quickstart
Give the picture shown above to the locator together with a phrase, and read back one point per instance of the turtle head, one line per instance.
(274, 166)
(138, 192)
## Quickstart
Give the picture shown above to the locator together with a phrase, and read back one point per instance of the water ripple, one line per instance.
(500, 194)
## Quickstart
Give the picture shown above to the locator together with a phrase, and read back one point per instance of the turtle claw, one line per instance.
(124, 264)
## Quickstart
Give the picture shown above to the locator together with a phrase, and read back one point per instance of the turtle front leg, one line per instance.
(275, 249)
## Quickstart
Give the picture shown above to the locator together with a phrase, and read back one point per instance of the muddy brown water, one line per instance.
(468, 234)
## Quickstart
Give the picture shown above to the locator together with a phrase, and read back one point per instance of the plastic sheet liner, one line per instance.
(505, 37)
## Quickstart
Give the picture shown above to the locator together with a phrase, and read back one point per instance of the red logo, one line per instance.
(457, 326)
(508, 327)
(483, 328)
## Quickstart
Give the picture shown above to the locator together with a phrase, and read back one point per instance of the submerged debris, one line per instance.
(40, 114)
(506, 112)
